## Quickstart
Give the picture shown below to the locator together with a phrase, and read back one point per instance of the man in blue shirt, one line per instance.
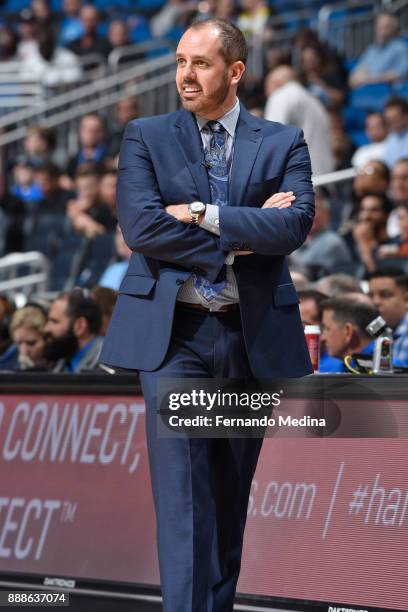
(388, 288)
(386, 60)
(396, 143)
(344, 327)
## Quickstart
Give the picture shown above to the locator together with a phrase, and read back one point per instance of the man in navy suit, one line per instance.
(210, 200)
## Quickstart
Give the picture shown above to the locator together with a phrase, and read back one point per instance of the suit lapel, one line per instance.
(248, 139)
(189, 140)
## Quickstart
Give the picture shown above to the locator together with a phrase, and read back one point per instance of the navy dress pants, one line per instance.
(200, 486)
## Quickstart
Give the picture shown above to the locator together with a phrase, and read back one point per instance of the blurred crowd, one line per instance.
(65, 207)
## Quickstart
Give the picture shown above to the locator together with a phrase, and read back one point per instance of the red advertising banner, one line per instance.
(327, 519)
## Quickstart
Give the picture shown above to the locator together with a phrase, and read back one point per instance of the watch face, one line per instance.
(197, 207)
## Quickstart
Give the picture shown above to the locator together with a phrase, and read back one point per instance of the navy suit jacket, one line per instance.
(161, 163)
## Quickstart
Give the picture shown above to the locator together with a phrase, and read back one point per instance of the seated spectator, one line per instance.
(386, 60)
(27, 330)
(87, 213)
(224, 9)
(39, 145)
(370, 229)
(72, 340)
(125, 110)
(376, 131)
(107, 190)
(344, 328)
(289, 102)
(90, 42)
(336, 284)
(253, 18)
(310, 306)
(92, 142)
(118, 34)
(396, 143)
(24, 186)
(28, 35)
(114, 274)
(8, 44)
(45, 17)
(399, 194)
(71, 27)
(321, 77)
(54, 198)
(388, 289)
(106, 300)
(400, 248)
(399, 182)
(341, 146)
(51, 65)
(373, 177)
(324, 251)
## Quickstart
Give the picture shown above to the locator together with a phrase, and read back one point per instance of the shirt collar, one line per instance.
(228, 121)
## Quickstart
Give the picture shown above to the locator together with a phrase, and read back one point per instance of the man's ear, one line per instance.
(237, 69)
(349, 331)
(80, 326)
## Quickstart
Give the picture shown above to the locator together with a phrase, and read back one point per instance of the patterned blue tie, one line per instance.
(218, 170)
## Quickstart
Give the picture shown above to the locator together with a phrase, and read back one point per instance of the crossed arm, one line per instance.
(278, 200)
(160, 233)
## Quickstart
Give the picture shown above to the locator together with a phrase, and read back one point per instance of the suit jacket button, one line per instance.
(179, 281)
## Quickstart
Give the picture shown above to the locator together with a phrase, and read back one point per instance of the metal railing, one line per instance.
(23, 272)
(121, 57)
(152, 82)
(348, 27)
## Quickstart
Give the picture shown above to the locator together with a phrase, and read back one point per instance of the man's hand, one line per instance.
(282, 199)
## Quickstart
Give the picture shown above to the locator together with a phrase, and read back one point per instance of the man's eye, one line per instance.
(180, 61)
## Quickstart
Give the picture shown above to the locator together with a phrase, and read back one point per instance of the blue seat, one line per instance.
(14, 6)
(358, 137)
(401, 90)
(370, 97)
(354, 118)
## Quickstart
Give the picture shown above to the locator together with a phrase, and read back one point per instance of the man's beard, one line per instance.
(63, 347)
(215, 100)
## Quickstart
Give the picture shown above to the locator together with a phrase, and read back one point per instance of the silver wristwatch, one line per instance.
(196, 209)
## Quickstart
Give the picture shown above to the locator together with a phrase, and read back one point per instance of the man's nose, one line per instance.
(189, 72)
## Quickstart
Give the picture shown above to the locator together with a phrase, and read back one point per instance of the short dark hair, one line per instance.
(347, 310)
(316, 296)
(81, 303)
(233, 44)
(89, 169)
(45, 133)
(400, 103)
(50, 169)
(397, 274)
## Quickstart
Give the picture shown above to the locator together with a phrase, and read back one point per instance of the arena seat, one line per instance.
(370, 97)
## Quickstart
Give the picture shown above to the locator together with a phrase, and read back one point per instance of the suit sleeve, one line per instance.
(146, 226)
(274, 231)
